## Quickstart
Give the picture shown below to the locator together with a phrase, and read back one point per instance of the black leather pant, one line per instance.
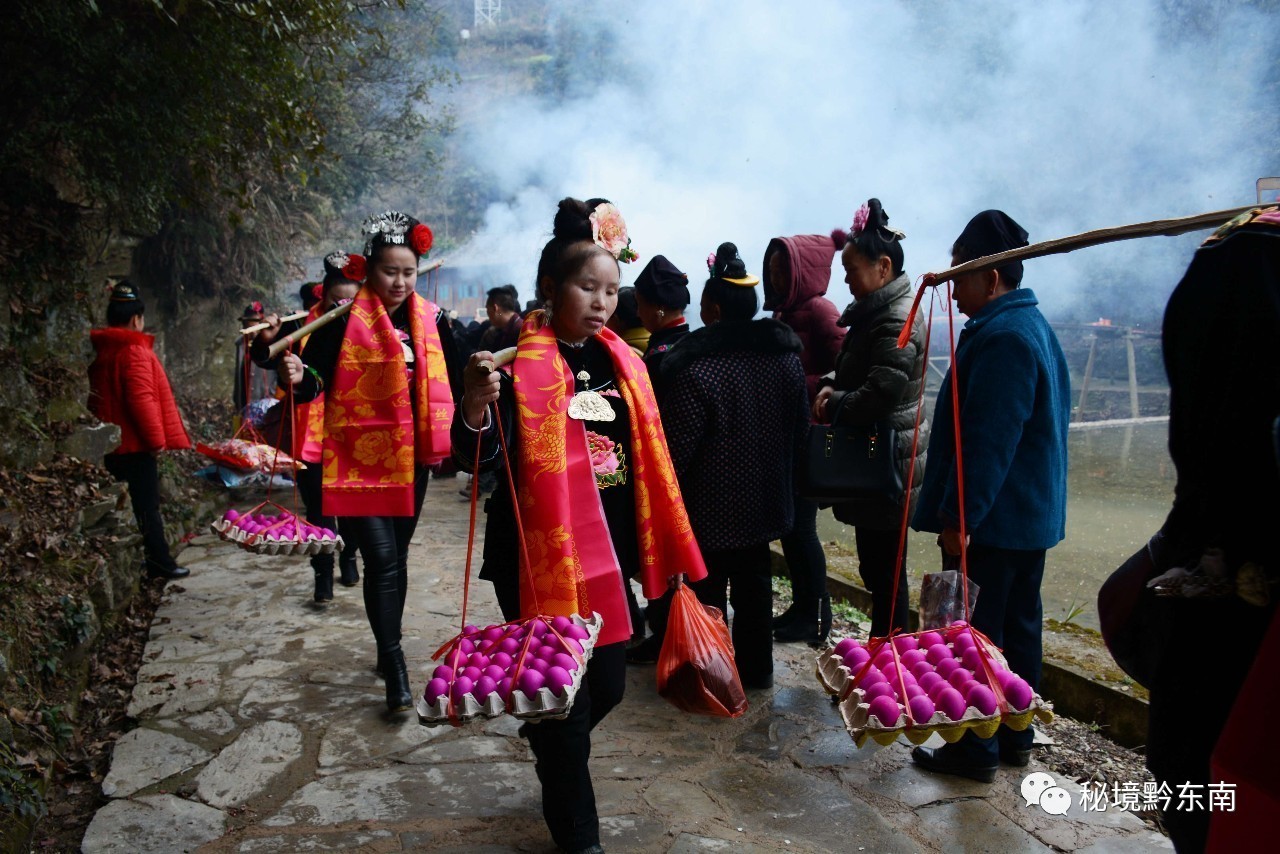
(309, 489)
(384, 547)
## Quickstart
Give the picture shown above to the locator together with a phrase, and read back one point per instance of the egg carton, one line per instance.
(835, 677)
(543, 706)
(259, 544)
(863, 726)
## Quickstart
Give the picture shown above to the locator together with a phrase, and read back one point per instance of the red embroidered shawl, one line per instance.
(574, 568)
(375, 434)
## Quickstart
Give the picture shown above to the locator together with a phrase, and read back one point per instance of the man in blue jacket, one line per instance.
(1014, 395)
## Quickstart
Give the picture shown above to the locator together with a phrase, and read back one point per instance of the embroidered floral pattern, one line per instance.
(607, 460)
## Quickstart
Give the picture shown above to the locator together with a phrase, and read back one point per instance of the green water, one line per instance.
(1119, 489)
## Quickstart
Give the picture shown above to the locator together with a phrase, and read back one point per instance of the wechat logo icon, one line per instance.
(1039, 788)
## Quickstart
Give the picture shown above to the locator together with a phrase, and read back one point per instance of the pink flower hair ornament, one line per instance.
(609, 232)
(860, 217)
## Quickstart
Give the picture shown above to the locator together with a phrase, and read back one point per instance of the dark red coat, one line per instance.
(801, 303)
(128, 386)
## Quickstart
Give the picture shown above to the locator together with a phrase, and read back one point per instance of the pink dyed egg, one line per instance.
(470, 629)
(883, 658)
(885, 710)
(444, 672)
(538, 664)
(509, 645)
(492, 633)
(980, 697)
(922, 669)
(530, 681)
(566, 662)
(461, 686)
(928, 680)
(558, 680)
(912, 657)
(950, 703)
(905, 643)
(570, 646)
(871, 677)
(472, 673)
(231, 515)
(929, 639)
(855, 658)
(547, 652)
(561, 624)
(504, 688)
(916, 691)
(958, 624)
(971, 659)
(435, 689)
(921, 708)
(478, 659)
(501, 659)
(455, 659)
(577, 632)
(1019, 694)
(846, 645)
(1004, 677)
(539, 628)
(938, 653)
(495, 673)
(960, 679)
(467, 646)
(879, 689)
(483, 688)
(947, 666)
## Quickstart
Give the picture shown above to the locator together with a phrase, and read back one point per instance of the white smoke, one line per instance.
(744, 121)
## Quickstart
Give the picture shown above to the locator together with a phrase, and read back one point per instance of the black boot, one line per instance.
(787, 617)
(350, 576)
(399, 697)
(807, 626)
(324, 585)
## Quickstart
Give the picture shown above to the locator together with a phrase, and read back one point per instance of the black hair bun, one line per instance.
(573, 220)
(877, 218)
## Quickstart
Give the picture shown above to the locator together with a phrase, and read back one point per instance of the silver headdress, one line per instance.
(391, 225)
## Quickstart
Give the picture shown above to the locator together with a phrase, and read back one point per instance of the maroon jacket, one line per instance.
(801, 303)
(127, 386)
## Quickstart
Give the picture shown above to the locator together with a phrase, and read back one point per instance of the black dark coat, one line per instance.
(736, 416)
(875, 381)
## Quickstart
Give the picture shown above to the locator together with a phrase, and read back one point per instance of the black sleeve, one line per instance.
(465, 440)
(321, 356)
(259, 347)
(452, 360)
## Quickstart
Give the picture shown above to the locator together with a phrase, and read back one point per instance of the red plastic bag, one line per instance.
(696, 672)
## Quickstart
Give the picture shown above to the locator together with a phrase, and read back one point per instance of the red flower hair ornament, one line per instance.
(355, 269)
(420, 239)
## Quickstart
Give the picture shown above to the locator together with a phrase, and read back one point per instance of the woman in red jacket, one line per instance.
(128, 387)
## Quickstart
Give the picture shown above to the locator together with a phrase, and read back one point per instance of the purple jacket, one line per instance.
(801, 302)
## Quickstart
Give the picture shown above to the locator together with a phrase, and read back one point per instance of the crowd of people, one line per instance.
(689, 442)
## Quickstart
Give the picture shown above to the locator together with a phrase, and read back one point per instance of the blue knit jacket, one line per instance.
(1015, 406)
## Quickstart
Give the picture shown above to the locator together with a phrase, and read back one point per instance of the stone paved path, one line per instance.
(261, 728)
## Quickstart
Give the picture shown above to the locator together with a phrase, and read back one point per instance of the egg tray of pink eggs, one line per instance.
(938, 675)
(482, 675)
(284, 534)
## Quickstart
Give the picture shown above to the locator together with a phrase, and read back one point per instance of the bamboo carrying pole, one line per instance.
(1059, 245)
(325, 319)
(258, 327)
(500, 358)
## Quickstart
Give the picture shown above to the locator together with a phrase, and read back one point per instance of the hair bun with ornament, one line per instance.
(392, 228)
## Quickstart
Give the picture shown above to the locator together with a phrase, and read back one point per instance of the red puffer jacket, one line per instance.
(127, 386)
(801, 302)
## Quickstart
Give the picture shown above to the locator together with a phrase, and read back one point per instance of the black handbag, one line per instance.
(849, 462)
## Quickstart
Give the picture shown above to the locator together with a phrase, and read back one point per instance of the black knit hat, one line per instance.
(727, 264)
(990, 232)
(662, 283)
